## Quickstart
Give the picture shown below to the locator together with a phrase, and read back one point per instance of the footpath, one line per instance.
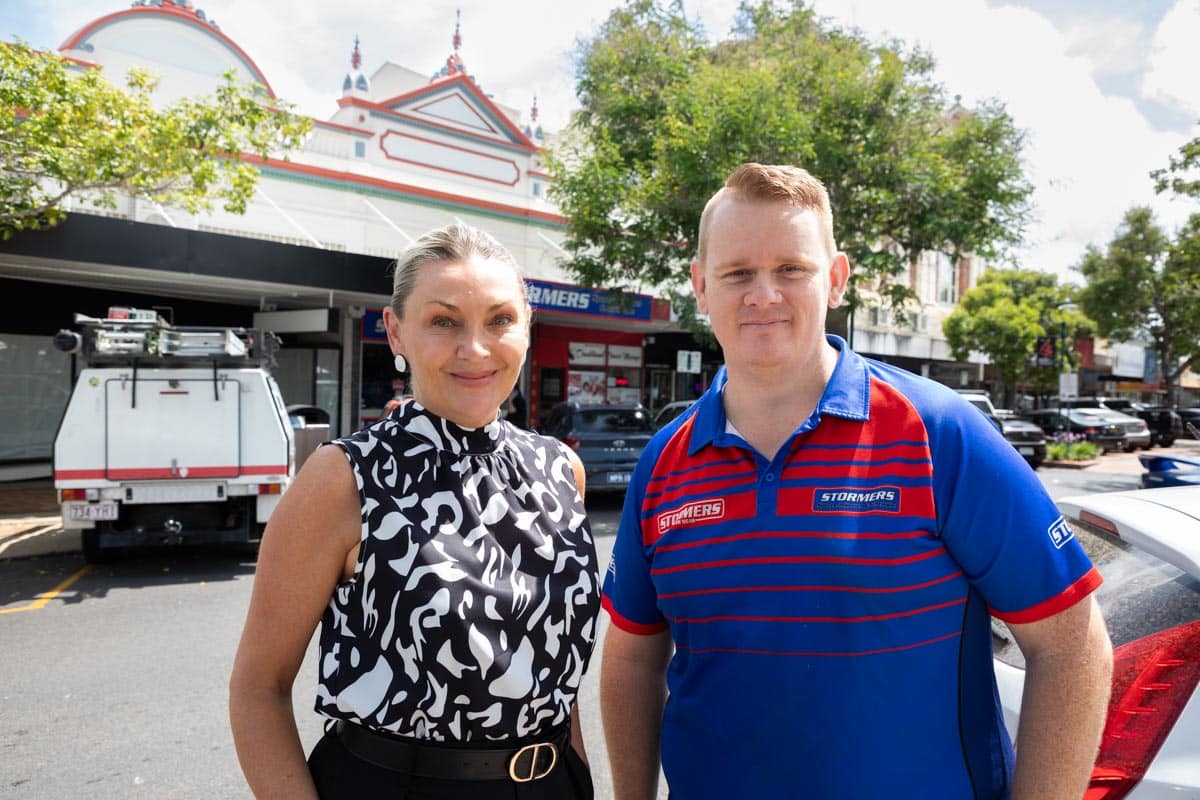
(30, 521)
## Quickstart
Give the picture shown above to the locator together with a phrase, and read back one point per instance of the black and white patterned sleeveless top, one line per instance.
(472, 610)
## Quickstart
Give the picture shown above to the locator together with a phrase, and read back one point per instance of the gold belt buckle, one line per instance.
(534, 750)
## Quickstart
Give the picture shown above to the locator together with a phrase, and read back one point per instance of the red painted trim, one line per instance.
(539, 174)
(737, 562)
(343, 128)
(1067, 598)
(402, 188)
(165, 472)
(382, 110)
(453, 122)
(628, 625)
(789, 535)
(180, 392)
(816, 653)
(802, 588)
(179, 14)
(472, 89)
(912, 612)
(390, 157)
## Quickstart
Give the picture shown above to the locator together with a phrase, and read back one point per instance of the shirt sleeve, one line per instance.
(999, 523)
(629, 595)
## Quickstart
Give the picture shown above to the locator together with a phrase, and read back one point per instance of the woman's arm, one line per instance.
(310, 543)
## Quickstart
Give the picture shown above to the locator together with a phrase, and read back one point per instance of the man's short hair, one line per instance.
(772, 183)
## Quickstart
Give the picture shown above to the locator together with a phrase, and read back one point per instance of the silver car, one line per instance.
(1146, 545)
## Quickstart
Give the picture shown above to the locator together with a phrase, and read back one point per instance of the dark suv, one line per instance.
(1025, 437)
(609, 440)
(1165, 425)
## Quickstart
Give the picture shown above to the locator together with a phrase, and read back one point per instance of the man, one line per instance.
(821, 539)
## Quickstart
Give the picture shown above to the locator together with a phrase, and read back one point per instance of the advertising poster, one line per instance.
(586, 387)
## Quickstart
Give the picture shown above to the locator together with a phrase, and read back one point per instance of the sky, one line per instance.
(1105, 90)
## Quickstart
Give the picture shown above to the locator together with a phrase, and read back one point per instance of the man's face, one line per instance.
(767, 281)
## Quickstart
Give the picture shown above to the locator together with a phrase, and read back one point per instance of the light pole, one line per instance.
(1061, 350)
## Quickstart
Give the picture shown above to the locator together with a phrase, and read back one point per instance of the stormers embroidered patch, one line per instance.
(1060, 532)
(692, 513)
(842, 499)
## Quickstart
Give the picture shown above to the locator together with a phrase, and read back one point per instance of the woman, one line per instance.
(446, 554)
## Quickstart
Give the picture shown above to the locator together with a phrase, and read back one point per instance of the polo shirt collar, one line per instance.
(847, 395)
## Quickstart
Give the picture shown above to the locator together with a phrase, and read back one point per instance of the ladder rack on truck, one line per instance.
(173, 434)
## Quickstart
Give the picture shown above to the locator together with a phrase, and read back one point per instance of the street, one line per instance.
(115, 686)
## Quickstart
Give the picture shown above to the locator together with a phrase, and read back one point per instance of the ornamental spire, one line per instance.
(356, 56)
(457, 30)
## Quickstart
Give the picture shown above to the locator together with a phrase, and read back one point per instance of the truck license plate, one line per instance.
(1025, 451)
(619, 477)
(101, 511)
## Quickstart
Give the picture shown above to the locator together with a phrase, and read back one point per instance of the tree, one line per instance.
(66, 131)
(665, 116)
(1003, 317)
(1182, 173)
(1146, 287)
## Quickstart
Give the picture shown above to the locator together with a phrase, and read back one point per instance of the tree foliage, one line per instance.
(666, 116)
(1004, 315)
(66, 131)
(1146, 287)
(1182, 173)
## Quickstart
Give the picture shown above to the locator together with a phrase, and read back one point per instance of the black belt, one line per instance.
(521, 764)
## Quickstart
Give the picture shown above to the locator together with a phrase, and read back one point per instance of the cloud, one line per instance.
(1171, 77)
(1088, 155)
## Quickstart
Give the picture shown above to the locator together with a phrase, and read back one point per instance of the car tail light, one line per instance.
(1089, 431)
(1153, 679)
(573, 442)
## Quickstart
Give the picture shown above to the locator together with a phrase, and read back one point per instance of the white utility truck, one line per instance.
(172, 435)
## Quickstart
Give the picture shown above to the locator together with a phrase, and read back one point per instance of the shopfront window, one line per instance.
(33, 396)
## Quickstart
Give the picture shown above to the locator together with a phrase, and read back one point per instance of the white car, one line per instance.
(1146, 544)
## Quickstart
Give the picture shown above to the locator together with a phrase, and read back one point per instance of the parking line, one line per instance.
(46, 597)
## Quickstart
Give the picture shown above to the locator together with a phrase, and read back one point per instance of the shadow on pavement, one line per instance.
(25, 580)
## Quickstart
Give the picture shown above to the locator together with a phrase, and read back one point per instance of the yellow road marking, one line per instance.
(46, 597)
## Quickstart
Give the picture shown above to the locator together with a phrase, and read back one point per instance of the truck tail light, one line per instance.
(72, 494)
(573, 442)
(1153, 679)
(270, 488)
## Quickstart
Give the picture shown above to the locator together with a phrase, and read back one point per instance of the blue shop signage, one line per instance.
(564, 298)
(373, 329)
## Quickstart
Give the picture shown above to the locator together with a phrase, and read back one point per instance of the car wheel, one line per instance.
(1167, 441)
(1034, 463)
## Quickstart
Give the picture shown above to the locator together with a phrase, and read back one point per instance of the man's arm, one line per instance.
(1068, 678)
(633, 691)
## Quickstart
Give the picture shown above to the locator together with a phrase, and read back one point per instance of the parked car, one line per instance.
(1169, 471)
(609, 440)
(670, 411)
(1091, 423)
(1023, 435)
(1191, 421)
(1146, 545)
(1165, 425)
(1137, 432)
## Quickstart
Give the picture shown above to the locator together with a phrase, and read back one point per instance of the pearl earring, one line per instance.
(401, 364)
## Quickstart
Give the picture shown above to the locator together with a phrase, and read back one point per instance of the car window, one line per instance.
(1141, 594)
(610, 420)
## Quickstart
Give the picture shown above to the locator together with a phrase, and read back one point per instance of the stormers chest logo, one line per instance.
(884, 498)
(692, 514)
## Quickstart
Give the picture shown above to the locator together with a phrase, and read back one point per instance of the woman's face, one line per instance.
(465, 333)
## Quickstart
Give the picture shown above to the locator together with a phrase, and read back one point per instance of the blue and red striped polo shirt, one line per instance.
(830, 606)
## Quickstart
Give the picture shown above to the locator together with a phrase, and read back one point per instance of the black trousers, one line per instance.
(340, 775)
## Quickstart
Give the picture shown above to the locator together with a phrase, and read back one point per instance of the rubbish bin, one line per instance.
(310, 427)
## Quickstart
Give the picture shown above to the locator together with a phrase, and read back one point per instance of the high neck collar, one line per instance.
(446, 435)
